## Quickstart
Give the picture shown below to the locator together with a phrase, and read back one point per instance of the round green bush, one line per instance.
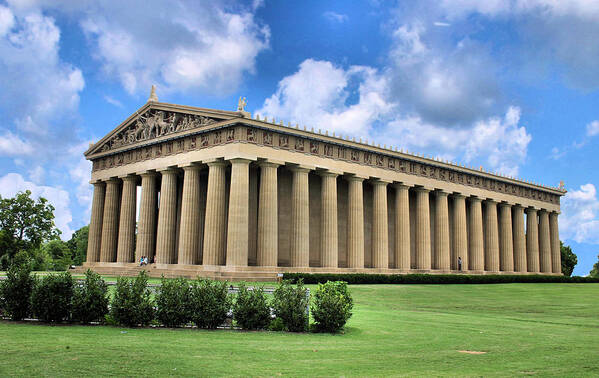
(90, 299)
(251, 310)
(172, 301)
(331, 306)
(289, 305)
(132, 302)
(51, 298)
(209, 303)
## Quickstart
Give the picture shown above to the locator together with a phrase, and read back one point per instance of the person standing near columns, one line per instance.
(214, 226)
(300, 218)
(506, 246)
(544, 242)
(423, 230)
(189, 235)
(268, 222)
(460, 233)
(532, 240)
(519, 240)
(328, 232)
(491, 237)
(146, 233)
(475, 242)
(238, 220)
(167, 218)
(126, 242)
(94, 241)
(556, 256)
(355, 222)
(402, 227)
(110, 226)
(441, 260)
(380, 230)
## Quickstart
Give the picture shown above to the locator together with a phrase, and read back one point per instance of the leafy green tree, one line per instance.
(59, 253)
(569, 259)
(78, 245)
(595, 271)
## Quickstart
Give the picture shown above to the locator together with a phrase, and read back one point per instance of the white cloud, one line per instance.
(441, 24)
(11, 145)
(12, 183)
(593, 128)
(113, 101)
(335, 17)
(580, 215)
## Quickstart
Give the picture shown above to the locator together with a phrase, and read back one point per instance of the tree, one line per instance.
(595, 271)
(78, 245)
(569, 259)
(59, 253)
(25, 223)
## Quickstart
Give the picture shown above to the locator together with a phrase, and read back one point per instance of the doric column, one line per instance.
(214, 225)
(402, 227)
(146, 231)
(475, 236)
(506, 240)
(238, 227)
(441, 250)
(519, 239)
(355, 223)
(300, 218)
(126, 244)
(328, 230)
(268, 222)
(532, 240)
(189, 233)
(460, 233)
(380, 227)
(491, 237)
(423, 230)
(556, 257)
(110, 221)
(544, 242)
(167, 218)
(94, 240)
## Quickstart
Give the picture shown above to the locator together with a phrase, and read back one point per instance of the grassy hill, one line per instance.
(423, 330)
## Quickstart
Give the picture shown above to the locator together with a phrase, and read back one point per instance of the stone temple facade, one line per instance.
(225, 195)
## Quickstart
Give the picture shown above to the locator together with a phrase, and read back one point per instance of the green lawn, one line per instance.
(413, 330)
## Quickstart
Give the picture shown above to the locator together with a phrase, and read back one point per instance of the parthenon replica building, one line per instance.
(225, 195)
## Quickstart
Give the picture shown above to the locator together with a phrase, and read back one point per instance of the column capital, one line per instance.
(270, 163)
(491, 201)
(187, 166)
(300, 168)
(475, 199)
(505, 204)
(378, 181)
(146, 173)
(441, 192)
(167, 170)
(112, 180)
(458, 195)
(421, 189)
(354, 177)
(328, 173)
(239, 160)
(128, 178)
(97, 183)
(402, 185)
(215, 162)
(555, 212)
(531, 208)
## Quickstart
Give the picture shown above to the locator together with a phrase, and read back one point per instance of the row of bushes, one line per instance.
(364, 278)
(176, 303)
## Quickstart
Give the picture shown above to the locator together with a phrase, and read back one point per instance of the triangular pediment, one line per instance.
(157, 120)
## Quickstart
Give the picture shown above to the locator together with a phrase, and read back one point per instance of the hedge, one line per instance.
(364, 278)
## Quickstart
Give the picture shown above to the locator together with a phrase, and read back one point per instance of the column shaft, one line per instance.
(110, 221)
(491, 237)
(355, 223)
(519, 240)
(94, 241)
(556, 256)
(506, 240)
(167, 219)
(402, 227)
(423, 230)
(532, 240)
(300, 219)
(475, 236)
(126, 243)
(380, 227)
(328, 231)
(146, 233)
(544, 242)
(460, 233)
(268, 222)
(441, 260)
(214, 226)
(238, 220)
(189, 234)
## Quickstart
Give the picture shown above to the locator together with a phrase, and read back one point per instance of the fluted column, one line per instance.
(423, 230)
(532, 240)
(460, 233)
(189, 233)
(300, 218)
(402, 227)
(355, 223)
(238, 227)
(126, 243)
(441, 260)
(380, 227)
(167, 218)
(94, 240)
(268, 223)
(110, 221)
(491, 237)
(475, 236)
(146, 232)
(214, 226)
(328, 231)
(556, 257)
(506, 240)
(519, 239)
(544, 242)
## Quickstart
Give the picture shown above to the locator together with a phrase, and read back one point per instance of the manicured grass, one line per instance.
(414, 330)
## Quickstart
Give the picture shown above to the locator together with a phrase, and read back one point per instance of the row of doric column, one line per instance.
(480, 233)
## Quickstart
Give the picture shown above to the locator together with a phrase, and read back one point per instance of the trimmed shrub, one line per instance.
(132, 302)
(209, 303)
(15, 291)
(172, 301)
(331, 306)
(365, 278)
(90, 299)
(289, 304)
(52, 296)
(250, 309)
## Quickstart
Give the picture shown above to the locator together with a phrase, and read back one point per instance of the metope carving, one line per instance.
(299, 144)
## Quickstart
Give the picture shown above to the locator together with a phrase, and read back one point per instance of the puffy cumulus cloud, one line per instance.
(178, 45)
(580, 215)
(593, 128)
(12, 183)
(12, 145)
(80, 174)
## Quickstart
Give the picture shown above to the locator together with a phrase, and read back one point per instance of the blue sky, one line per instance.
(511, 85)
